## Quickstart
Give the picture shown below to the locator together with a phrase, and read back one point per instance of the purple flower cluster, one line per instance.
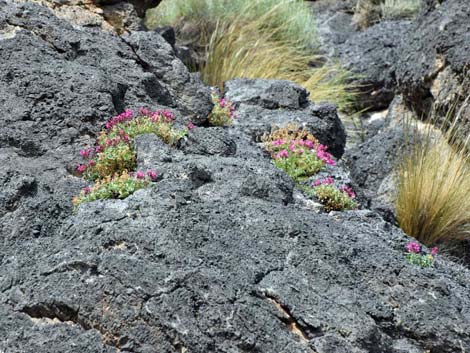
(299, 147)
(142, 175)
(126, 116)
(415, 248)
(348, 191)
(326, 181)
(223, 103)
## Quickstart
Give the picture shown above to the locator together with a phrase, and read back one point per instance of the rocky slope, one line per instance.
(218, 256)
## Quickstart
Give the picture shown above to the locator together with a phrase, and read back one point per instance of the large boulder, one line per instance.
(263, 103)
(217, 256)
(58, 85)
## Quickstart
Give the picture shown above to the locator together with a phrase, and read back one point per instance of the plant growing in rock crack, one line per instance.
(117, 187)
(297, 152)
(111, 162)
(417, 256)
(114, 152)
(331, 197)
(223, 112)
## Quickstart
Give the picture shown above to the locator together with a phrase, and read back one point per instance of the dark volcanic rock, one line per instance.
(264, 103)
(373, 55)
(434, 64)
(217, 256)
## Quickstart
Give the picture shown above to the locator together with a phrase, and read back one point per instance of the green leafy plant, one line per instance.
(223, 112)
(417, 256)
(116, 187)
(296, 152)
(331, 197)
(114, 152)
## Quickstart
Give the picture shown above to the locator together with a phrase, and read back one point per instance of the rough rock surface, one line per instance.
(113, 15)
(434, 65)
(214, 257)
(264, 103)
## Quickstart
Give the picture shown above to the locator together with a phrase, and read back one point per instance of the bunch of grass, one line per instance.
(273, 39)
(433, 201)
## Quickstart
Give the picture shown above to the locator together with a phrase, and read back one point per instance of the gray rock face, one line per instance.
(373, 55)
(217, 256)
(434, 64)
(264, 103)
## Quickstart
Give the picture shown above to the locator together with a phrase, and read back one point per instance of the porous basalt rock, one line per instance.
(262, 104)
(217, 256)
(112, 15)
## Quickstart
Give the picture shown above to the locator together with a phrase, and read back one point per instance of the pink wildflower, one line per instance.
(309, 144)
(86, 190)
(85, 153)
(222, 102)
(98, 149)
(278, 142)
(316, 183)
(191, 126)
(152, 174)
(144, 112)
(140, 175)
(434, 251)
(91, 163)
(328, 181)
(81, 168)
(413, 247)
(348, 191)
(282, 154)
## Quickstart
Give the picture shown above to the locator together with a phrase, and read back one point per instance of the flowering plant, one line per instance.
(223, 112)
(300, 158)
(331, 197)
(114, 152)
(119, 186)
(417, 256)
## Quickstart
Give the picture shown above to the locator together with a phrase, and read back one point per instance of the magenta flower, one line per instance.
(434, 251)
(144, 112)
(413, 247)
(98, 149)
(348, 191)
(140, 175)
(222, 102)
(309, 144)
(152, 174)
(282, 154)
(91, 163)
(278, 142)
(191, 126)
(84, 153)
(86, 190)
(81, 168)
(316, 183)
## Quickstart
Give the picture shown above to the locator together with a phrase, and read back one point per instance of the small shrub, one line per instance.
(417, 256)
(114, 152)
(331, 197)
(300, 158)
(117, 187)
(223, 112)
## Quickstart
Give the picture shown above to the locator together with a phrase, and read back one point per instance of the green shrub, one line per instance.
(223, 112)
(331, 197)
(117, 187)
(114, 152)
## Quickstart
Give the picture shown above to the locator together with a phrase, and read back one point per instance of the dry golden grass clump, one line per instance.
(433, 200)
(272, 39)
